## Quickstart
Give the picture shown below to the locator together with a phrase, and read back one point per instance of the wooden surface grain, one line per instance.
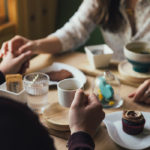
(102, 139)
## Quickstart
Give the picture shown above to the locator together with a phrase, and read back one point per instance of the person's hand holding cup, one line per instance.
(85, 113)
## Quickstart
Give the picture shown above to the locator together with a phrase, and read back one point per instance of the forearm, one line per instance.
(50, 44)
(77, 30)
(73, 34)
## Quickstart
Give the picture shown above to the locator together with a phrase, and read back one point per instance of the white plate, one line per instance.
(113, 123)
(58, 66)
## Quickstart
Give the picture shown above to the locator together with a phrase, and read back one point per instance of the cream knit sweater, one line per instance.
(77, 30)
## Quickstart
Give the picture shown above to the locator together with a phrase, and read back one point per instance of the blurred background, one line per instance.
(38, 18)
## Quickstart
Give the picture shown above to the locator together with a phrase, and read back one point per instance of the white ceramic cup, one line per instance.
(66, 91)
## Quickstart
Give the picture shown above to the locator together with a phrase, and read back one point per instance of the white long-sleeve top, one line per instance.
(77, 30)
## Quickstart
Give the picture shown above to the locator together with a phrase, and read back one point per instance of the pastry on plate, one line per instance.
(132, 122)
(59, 75)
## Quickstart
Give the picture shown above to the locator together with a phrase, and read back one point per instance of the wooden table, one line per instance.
(79, 60)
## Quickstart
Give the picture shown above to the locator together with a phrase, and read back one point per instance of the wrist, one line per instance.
(77, 129)
(36, 46)
(40, 46)
(80, 138)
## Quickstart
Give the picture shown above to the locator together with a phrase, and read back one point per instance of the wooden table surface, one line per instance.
(79, 60)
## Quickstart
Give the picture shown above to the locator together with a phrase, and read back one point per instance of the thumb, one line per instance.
(93, 98)
(131, 95)
(4, 49)
(78, 98)
(26, 47)
(24, 57)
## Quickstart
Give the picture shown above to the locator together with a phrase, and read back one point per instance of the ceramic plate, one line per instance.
(132, 142)
(58, 66)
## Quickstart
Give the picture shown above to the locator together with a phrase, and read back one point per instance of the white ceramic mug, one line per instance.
(66, 91)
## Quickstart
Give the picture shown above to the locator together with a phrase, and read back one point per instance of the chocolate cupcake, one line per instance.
(132, 122)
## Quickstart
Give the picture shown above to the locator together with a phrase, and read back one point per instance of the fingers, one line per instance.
(26, 47)
(142, 94)
(15, 43)
(12, 45)
(102, 115)
(27, 64)
(94, 102)
(131, 95)
(4, 49)
(24, 57)
(140, 91)
(24, 67)
(78, 99)
(144, 98)
(93, 99)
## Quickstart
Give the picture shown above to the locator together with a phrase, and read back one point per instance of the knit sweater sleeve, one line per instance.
(81, 141)
(77, 30)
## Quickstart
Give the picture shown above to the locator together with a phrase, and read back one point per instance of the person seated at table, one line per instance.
(142, 93)
(120, 21)
(12, 64)
(20, 128)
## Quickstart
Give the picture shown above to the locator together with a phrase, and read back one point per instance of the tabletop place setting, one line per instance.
(126, 126)
(75, 74)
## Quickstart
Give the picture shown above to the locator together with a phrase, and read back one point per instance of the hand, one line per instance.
(19, 44)
(85, 113)
(142, 93)
(11, 64)
(13, 46)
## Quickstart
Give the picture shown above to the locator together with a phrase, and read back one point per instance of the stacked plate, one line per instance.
(129, 75)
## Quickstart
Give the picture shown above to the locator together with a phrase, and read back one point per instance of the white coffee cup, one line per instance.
(66, 91)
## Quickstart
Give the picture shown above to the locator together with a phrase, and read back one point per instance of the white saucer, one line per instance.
(126, 71)
(113, 123)
(79, 75)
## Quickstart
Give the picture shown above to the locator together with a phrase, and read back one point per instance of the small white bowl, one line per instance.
(99, 56)
(20, 97)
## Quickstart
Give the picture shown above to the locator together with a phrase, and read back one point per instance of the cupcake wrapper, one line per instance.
(133, 123)
(132, 129)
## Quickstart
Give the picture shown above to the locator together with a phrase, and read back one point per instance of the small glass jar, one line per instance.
(108, 90)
